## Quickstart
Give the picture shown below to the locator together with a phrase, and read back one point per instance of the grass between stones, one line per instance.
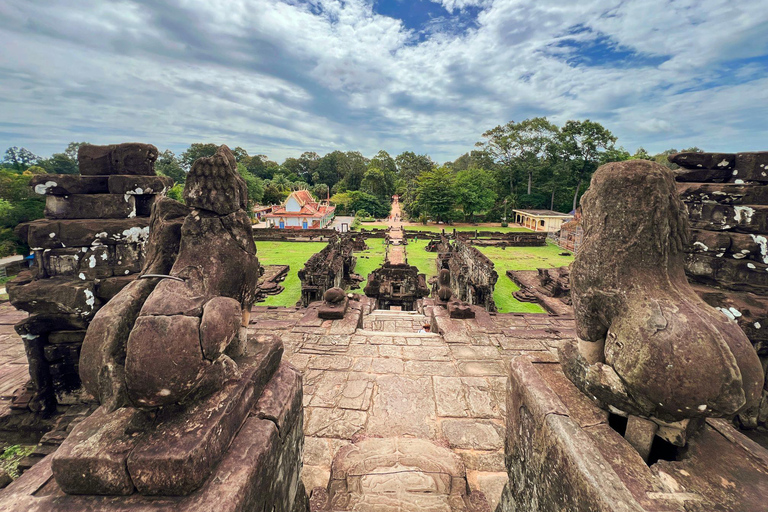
(369, 260)
(521, 258)
(294, 254)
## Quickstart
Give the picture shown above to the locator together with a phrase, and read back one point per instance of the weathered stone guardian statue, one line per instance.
(648, 346)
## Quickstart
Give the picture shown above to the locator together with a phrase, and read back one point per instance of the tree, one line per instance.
(255, 185)
(73, 148)
(641, 154)
(168, 165)
(195, 151)
(60, 163)
(19, 159)
(273, 195)
(581, 145)
(241, 155)
(369, 203)
(436, 193)
(474, 191)
(352, 170)
(308, 163)
(380, 177)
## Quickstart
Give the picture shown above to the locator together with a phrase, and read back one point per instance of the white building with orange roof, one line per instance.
(301, 211)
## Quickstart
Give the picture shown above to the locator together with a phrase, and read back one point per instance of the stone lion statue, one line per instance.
(648, 345)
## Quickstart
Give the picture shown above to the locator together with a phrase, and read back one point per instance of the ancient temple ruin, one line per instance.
(333, 267)
(473, 276)
(89, 246)
(398, 400)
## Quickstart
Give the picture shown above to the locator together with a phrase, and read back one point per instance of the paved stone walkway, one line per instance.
(384, 379)
(396, 250)
(14, 371)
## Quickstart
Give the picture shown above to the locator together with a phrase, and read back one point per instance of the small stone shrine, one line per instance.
(87, 248)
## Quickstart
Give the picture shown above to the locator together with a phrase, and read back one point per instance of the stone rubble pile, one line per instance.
(87, 248)
(727, 258)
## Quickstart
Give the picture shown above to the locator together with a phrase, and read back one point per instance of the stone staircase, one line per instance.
(402, 322)
(397, 475)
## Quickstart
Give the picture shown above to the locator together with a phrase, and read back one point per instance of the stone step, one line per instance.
(398, 474)
(366, 332)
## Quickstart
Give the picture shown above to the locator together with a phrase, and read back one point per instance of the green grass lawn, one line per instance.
(521, 258)
(294, 254)
(369, 260)
(418, 256)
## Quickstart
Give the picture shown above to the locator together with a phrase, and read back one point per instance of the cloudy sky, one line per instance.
(282, 77)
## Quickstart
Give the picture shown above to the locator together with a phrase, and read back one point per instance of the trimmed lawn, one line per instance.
(521, 258)
(369, 260)
(418, 256)
(294, 254)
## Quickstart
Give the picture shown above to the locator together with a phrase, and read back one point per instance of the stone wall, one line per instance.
(87, 248)
(727, 258)
(333, 267)
(473, 276)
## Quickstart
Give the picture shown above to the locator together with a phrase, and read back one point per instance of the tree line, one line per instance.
(529, 164)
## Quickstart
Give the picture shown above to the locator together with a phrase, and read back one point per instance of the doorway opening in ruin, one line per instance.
(661, 449)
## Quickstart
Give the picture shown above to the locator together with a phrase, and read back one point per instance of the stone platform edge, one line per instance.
(261, 469)
(561, 454)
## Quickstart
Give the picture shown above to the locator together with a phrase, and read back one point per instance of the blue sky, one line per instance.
(283, 77)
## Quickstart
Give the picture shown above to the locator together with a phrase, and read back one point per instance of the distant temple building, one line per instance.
(301, 211)
(541, 220)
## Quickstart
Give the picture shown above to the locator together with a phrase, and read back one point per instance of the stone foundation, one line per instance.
(260, 471)
(563, 454)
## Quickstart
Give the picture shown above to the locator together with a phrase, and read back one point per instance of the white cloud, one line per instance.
(281, 77)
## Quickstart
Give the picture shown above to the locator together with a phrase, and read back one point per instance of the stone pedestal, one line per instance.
(259, 469)
(562, 454)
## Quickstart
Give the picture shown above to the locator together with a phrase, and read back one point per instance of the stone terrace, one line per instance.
(371, 374)
(379, 378)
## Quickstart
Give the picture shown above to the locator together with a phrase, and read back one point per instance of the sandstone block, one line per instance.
(184, 447)
(734, 274)
(726, 193)
(719, 161)
(57, 295)
(718, 217)
(92, 460)
(90, 206)
(139, 185)
(54, 234)
(727, 244)
(63, 337)
(66, 184)
(130, 158)
(751, 167)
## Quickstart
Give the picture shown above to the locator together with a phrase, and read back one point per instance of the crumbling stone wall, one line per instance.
(87, 248)
(473, 277)
(333, 267)
(727, 259)
(396, 284)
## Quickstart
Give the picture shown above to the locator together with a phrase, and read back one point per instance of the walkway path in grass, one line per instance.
(395, 224)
